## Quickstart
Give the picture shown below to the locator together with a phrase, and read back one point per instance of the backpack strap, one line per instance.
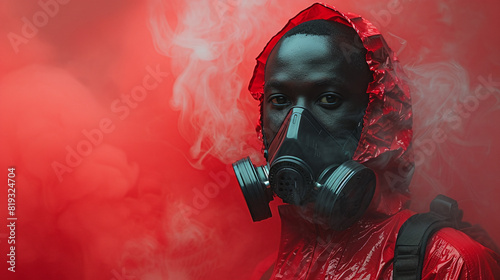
(413, 235)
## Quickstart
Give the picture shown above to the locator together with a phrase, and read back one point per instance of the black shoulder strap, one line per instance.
(414, 233)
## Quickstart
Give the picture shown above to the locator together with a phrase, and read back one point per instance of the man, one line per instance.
(334, 72)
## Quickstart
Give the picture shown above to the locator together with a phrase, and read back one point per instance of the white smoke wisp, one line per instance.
(436, 87)
(208, 49)
(446, 106)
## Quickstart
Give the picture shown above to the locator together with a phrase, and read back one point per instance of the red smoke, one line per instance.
(122, 118)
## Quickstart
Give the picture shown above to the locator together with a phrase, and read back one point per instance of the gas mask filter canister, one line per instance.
(307, 165)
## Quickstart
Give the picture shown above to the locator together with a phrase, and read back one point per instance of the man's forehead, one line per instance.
(304, 50)
(294, 55)
(296, 44)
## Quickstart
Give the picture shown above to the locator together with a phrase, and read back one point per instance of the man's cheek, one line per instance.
(269, 132)
(271, 126)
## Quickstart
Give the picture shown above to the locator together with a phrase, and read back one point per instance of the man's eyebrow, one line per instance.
(273, 84)
(330, 81)
(323, 82)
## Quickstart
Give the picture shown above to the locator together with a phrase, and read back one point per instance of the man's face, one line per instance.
(310, 71)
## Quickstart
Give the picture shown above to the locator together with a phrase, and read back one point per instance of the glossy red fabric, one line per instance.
(385, 140)
(366, 249)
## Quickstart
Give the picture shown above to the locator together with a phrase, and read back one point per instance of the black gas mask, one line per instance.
(308, 166)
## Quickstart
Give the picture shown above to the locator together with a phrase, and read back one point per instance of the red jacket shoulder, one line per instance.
(452, 254)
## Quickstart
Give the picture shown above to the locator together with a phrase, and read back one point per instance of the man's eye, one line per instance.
(330, 100)
(279, 100)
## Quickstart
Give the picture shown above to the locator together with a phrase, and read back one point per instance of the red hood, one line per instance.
(385, 140)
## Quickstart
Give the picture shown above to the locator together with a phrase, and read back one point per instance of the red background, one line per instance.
(154, 197)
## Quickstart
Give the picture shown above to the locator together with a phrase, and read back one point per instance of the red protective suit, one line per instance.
(366, 249)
